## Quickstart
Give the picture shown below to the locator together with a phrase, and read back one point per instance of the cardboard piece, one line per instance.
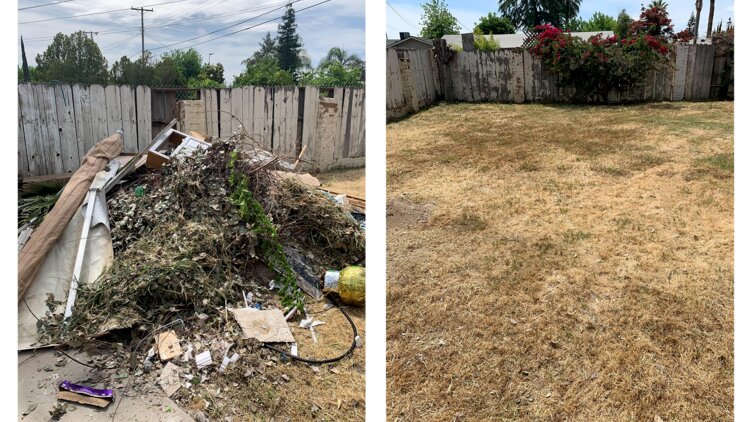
(267, 326)
(169, 379)
(82, 399)
(168, 345)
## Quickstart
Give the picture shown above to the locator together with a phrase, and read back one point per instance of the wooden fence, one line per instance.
(693, 73)
(58, 124)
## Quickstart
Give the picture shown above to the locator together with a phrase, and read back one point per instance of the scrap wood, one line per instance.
(82, 399)
(169, 379)
(168, 345)
(138, 160)
(267, 326)
(35, 250)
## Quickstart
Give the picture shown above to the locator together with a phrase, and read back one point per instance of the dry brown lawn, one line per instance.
(348, 181)
(552, 263)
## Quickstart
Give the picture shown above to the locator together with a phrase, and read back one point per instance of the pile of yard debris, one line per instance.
(213, 255)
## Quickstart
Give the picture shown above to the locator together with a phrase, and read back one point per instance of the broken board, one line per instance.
(267, 326)
(168, 345)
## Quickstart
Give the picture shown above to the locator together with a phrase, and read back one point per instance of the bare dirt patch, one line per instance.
(578, 264)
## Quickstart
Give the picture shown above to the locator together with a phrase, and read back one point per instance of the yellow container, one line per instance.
(349, 283)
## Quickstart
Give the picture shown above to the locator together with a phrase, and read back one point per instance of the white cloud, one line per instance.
(336, 23)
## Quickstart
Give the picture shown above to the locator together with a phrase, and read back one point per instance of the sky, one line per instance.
(468, 12)
(337, 23)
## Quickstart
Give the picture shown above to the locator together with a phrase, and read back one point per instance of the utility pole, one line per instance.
(91, 33)
(143, 42)
(209, 57)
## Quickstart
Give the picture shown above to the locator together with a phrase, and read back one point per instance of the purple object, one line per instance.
(85, 390)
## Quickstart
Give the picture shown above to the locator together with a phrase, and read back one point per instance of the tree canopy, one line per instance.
(337, 68)
(437, 20)
(623, 24)
(530, 13)
(289, 43)
(73, 58)
(493, 24)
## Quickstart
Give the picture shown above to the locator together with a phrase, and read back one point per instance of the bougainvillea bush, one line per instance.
(597, 66)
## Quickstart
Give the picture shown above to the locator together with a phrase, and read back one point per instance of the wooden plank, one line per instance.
(84, 125)
(310, 122)
(236, 110)
(212, 114)
(680, 72)
(708, 64)
(278, 117)
(66, 127)
(293, 121)
(359, 150)
(143, 111)
(225, 108)
(248, 112)
(114, 111)
(129, 124)
(23, 158)
(263, 115)
(99, 122)
(53, 152)
(518, 82)
(689, 72)
(342, 140)
(31, 122)
(356, 143)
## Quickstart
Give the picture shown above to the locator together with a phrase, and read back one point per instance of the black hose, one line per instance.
(322, 361)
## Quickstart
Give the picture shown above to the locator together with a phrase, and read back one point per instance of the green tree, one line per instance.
(337, 68)
(188, 62)
(482, 43)
(127, 72)
(437, 20)
(268, 48)
(623, 24)
(264, 72)
(72, 58)
(530, 13)
(691, 24)
(658, 3)
(167, 73)
(210, 76)
(32, 74)
(289, 43)
(493, 24)
(599, 22)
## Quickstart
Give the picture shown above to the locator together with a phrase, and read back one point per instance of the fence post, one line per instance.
(467, 42)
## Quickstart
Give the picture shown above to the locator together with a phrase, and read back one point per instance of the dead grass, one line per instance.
(349, 181)
(577, 263)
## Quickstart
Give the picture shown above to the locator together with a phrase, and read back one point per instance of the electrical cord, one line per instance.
(322, 361)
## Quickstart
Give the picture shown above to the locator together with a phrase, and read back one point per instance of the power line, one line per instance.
(143, 31)
(120, 41)
(399, 15)
(97, 13)
(172, 22)
(43, 5)
(230, 26)
(253, 26)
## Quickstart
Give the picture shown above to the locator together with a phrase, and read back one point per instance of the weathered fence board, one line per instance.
(66, 127)
(515, 75)
(59, 124)
(225, 118)
(129, 124)
(143, 111)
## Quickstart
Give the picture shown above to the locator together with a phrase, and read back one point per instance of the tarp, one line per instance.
(56, 271)
(45, 236)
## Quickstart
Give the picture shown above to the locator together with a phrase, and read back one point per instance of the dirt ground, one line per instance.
(348, 181)
(555, 263)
